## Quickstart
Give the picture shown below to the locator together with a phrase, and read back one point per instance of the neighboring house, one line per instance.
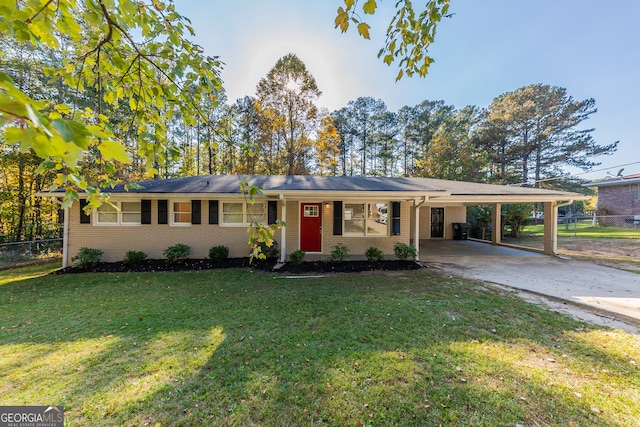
(618, 196)
(319, 212)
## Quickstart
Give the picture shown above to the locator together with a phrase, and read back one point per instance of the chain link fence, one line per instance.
(604, 225)
(20, 253)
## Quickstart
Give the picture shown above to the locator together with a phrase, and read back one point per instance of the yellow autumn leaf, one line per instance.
(363, 29)
(370, 7)
(113, 150)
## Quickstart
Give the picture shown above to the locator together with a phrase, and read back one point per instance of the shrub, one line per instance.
(134, 257)
(219, 253)
(339, 253)
(296, 257)
(374, 254)
(269, 251)
(87, 257)
(403, 251)
(177, 252)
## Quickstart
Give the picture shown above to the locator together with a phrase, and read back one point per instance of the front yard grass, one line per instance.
(585, 229)
(236, 347)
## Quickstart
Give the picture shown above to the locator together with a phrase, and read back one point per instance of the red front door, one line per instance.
(311, 227)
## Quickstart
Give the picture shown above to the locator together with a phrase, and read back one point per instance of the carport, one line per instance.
(433, 216)
(432, 250)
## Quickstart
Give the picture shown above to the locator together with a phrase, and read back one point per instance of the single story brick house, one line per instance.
(619, 195)
(319, 212)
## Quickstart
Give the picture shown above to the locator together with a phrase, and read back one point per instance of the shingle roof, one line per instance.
(230, 184)
(615, 181)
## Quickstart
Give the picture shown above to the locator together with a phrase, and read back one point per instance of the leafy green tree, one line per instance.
(385, 144)
(344, 126)
(158, 73)
(493, 141)
(515, 217)
(327, 148)
(426, 120)
(409, 34)
(364, 113)
(287, 97)
(22, 215)
(452, 153)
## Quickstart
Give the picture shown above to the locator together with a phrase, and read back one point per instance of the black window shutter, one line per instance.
(84, 218)
(213, 211)
(337, 218)
(145, 211)
(272, 209)
(395, 218)
(163, 211)
(195, 212)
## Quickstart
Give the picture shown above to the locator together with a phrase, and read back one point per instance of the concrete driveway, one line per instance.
(609, 292)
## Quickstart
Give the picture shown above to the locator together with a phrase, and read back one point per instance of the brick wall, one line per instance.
(451, 214)
(619, 200)
(154, 238)
(358, 244)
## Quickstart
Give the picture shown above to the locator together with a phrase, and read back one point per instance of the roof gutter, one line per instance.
(613, 183)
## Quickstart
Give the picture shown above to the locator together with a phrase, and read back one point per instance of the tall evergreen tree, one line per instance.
(542, 126)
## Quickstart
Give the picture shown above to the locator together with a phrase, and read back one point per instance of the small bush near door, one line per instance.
(374, 254)
(296, 257)
(339, 253)
(219, 253)
(402, 251)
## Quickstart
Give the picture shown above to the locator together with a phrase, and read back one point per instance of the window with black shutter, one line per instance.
(84, 217)
(395, 218)
(213, 212)
(145, 212)
(195, 212)
(337, 218)
(163, 211)
(272, 210)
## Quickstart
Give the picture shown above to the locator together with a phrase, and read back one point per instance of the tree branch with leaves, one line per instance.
(408, 36)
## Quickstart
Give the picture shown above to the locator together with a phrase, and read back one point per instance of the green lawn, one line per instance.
(236, 347)
(585, 229)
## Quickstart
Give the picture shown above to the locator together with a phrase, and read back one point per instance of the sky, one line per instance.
(488, 47)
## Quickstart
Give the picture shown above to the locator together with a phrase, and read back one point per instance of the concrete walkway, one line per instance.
(604, 290)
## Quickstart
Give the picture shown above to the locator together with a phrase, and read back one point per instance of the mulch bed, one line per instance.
(262, 265)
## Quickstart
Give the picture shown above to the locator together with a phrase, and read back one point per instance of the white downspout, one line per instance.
(65, 235)
(65, 239)
(283, 231)
(416, 224)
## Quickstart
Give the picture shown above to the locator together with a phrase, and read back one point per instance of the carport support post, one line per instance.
(551, 228)
(496, 223)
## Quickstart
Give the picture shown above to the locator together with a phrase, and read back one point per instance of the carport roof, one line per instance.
(325, 186)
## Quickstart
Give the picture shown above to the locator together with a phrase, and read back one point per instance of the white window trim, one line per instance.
(118, 212)
(172, 222)
(245, 214)
(366, 218)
